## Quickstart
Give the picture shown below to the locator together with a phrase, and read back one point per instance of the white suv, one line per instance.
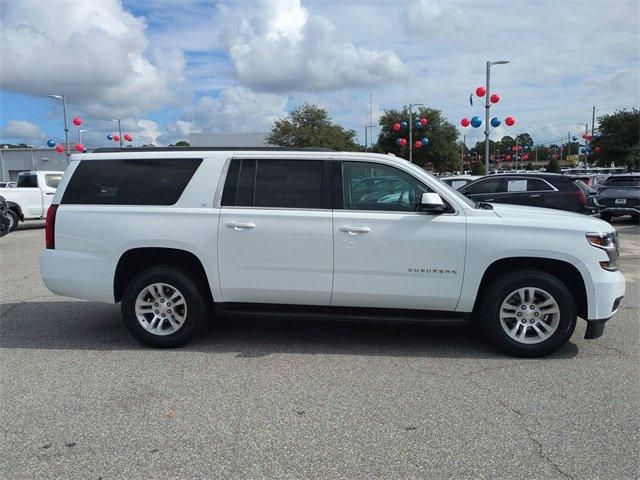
(174, 233)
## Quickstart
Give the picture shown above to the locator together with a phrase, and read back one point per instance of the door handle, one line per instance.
(534, 196)
(354, 230)
(50, 193)
(489, 199)
(240, 225)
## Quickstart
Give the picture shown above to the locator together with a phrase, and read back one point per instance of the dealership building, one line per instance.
(16, 160)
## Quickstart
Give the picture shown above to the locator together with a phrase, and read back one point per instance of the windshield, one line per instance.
(630, 181)
(449, 188)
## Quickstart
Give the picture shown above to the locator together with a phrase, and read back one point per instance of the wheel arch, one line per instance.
(14, 206)
(564, 271)
(135, 260)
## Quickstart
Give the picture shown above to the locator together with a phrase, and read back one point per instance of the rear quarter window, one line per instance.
(130, 182)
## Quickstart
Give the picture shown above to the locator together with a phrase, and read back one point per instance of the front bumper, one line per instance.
(618, 210)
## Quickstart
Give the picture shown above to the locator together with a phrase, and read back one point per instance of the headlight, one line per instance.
(609, 243)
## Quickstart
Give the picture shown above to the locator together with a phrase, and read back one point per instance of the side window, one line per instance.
(28, 181)
(372, 186)
(52, 180)
(485, 185)
(515, 185)
(130, 182)
(537, 185)
(288, 183)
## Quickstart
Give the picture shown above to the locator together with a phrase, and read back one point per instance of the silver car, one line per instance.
(620, 195)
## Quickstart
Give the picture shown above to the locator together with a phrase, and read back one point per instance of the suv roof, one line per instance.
(210, 149)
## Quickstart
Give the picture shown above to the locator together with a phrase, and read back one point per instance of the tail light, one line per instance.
(50, 228)
(582, 198)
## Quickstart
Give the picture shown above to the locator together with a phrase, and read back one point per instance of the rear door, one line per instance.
(486, 189)
(30, 195)
(275, 241)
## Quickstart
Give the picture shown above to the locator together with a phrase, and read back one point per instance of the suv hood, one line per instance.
(537, 216)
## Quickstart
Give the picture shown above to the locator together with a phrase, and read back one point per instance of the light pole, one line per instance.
(119, 129)
(80, 135)
(411, 105)
(66, 127)
(487, 106)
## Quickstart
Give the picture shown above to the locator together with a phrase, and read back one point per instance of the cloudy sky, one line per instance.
(171, 67)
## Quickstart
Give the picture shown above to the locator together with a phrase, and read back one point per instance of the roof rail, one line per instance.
(210, 149)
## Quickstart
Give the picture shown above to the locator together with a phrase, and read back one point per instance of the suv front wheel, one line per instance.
(163, 307)
(528, 313)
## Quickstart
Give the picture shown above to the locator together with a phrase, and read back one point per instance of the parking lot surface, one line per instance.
(284, 399)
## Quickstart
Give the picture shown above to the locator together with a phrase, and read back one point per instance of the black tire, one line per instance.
(13, 217)
(502, 288)
(196, 300)
(606, 216)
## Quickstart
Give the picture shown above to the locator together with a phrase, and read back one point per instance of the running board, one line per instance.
(352, 314)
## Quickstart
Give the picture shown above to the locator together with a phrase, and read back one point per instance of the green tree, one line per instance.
(619, 138)
(311, 126)
(553, 166)
(478, 169)
(183, 143)
(529, 166)
(442, 152)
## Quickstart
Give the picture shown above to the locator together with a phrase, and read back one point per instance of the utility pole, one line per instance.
(487, 106)
(411, 105)
(593, 120)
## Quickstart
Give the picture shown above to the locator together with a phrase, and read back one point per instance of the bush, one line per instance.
(553, 166)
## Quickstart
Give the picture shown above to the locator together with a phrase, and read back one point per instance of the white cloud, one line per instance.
(94, 52)
(21, 131)
(280, 47)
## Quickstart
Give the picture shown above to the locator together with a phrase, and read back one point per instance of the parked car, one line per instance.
(32, 196)
(591, 180)
(459, 181)
(620, 195)
(548, 190)
(5, 221)
(173, 235)
(8, 184)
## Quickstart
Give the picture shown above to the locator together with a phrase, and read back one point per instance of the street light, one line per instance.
(119, 129)
(66, 128)
(411, 105)
(80, 135)
(487, 106)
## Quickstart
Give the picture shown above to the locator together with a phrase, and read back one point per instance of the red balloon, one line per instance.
(418, 144)
(525, 157)
(495, 98)
(589, 137)
(403, 141)
(116, 138)
(584, 135)
(59, 148)
(480, 91)
(510, 121)
(519, 147)
(423, 121)
(79, 147)
(465, 122)
(396, 126)
(128, 137)
(508, 157)
(77, 121)
(514, 149)
(597, 149)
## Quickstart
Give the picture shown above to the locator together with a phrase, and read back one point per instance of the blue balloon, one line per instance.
(417, 124)
(84, 150)
(397, 141)
(109, 136)
(51, 143)
(476, 122)
(425, 141)
(583, 150)
(495, 122)
(574, 138)
(404, 124)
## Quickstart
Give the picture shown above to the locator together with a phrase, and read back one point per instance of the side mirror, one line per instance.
(431, 203)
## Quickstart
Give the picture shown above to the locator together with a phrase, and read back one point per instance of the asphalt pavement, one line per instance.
(79, 398)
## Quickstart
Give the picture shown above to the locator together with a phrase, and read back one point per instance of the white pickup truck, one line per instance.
(174, 233)
(31, 198)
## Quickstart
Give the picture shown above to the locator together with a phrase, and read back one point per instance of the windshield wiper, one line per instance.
(484, 205)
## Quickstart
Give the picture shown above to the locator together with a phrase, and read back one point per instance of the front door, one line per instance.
(387, 255)
(275, 241)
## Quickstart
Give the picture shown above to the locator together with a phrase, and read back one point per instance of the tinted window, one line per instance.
(371, 186)
(52, 180)
(27, 181)
(485, 185)
(288, 183)
(623, 181)
(130, 182)
(537, 185)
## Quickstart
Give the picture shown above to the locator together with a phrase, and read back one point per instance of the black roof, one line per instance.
(210, 149)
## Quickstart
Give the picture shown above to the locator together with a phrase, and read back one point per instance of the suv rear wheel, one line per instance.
(13, 220)
(162, 307)
(528, 314)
